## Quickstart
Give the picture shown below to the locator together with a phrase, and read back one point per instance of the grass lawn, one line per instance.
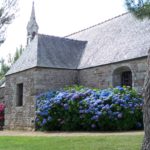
(115, 142)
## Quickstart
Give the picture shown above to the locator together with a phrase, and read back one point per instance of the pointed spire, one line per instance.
(33, 12)
(32, 27)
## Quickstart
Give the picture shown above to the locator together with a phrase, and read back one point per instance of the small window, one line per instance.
(126, 78)
(19, 101)
(122, 76)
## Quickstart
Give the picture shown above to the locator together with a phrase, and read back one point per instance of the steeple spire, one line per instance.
(32, 27)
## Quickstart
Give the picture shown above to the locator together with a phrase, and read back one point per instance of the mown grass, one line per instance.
(116, 142)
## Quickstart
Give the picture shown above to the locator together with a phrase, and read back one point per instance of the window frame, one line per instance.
(19, 95)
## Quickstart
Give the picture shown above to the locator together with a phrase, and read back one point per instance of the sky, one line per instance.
(59, 18)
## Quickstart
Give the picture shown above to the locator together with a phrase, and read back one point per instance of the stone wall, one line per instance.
(20, 117)
(34, 81)
(46, 79)
(102, 76)
(2, 94)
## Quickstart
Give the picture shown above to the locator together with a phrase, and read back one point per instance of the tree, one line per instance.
(141, 9)
(4, 67)
(17, 54)
(8, 9)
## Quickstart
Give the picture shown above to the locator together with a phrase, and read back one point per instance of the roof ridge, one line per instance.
(65, 38)
(97, 24)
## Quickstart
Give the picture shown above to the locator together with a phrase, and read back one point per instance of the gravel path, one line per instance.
(49, 134)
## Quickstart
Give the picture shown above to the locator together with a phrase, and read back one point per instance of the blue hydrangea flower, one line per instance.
(120, 88)
(93, 126)
(44, 121)
(120, 115)
(96, 117)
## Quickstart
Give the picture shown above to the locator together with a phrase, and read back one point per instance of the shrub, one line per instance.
(87, 109)
(2, 107)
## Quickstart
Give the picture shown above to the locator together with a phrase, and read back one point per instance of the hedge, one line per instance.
(85, 109)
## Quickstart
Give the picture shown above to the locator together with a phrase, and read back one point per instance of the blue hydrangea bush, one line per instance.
(84, 109)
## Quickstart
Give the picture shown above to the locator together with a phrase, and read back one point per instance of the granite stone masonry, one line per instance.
(20, 117)
(104, 77)
(53, 79)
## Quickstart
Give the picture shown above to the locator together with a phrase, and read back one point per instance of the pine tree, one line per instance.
(17, 54)
(140, 8)
(4, 67)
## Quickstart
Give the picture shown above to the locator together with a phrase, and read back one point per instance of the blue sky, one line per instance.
(59, 17)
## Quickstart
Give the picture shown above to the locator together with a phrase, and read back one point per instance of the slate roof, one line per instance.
(50, 51)
(118, 39)
(27, 60)
(56, 52)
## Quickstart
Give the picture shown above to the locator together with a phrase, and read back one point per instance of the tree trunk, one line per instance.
(146, 109)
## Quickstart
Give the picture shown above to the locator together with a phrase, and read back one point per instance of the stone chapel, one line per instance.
(110, 53)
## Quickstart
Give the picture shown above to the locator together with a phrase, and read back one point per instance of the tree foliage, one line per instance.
(17, 54)
(140, 8)
(8, 9)
(4, 67)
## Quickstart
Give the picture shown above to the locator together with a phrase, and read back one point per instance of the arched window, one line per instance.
(126, 78)
(122, 76)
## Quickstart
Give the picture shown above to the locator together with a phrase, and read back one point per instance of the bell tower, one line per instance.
(32, 27)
